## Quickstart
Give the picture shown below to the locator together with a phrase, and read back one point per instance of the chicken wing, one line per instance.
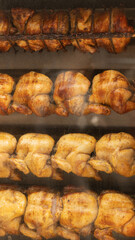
(6, 87)
(73, 153)
(32, 95)
(12, 207)
(71, 93)
(113, 89)
(115, 152)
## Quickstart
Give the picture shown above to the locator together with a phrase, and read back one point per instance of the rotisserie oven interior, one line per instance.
(67, 119)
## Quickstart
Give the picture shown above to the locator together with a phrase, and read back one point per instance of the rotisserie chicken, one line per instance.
(32, 95)
(12, 207)
(7, 147)
(77, 212)
(74, 153)
(71, 93)
(115, 152)
(66, 24)
(33, 155)
(113, 89)
(6, 88)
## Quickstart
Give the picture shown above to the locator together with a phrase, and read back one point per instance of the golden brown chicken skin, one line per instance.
(112, 88)
(32, 95)
(12, 207)
(33, 155)
(73, 153)
(115, 152)
(71, 94)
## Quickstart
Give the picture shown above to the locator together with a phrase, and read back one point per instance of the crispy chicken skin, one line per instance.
(6, 87)
(116, 212)
(32, 95)
(12, 207)
(7, 147)
(70, 95)
(33, 155)
(29, 22)
(115, 152)
(74, 213)
(73, 153)
(113, 89)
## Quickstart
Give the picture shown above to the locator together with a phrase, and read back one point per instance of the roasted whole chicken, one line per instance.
(7, 147)
(115, 152)
(6, 88)
(74, 153)
(32, 95)
(33, 155)
(42, 212)
(66, 25)
(112, 88)
(71, 94)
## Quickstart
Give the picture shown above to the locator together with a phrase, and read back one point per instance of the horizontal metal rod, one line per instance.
(57, 36)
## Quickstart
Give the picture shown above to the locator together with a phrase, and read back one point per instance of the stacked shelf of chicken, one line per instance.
(70, 212)
(71, 93)
(85, 29)
(40, 212)
(73, 153)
